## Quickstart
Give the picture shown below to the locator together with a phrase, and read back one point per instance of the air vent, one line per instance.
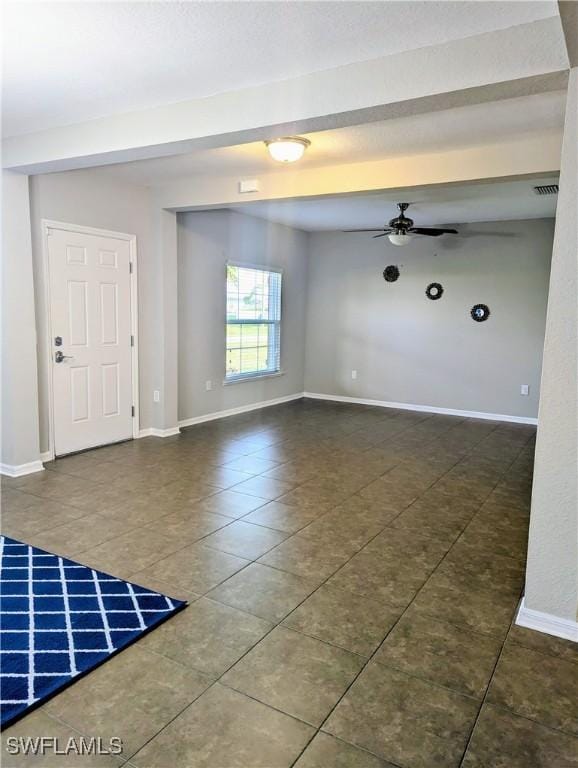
(546, 189)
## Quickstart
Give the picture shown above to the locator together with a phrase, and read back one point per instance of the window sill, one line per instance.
(255, 377)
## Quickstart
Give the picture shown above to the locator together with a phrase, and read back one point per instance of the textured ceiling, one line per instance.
(66, 62)
(437, 131)
(455, 204)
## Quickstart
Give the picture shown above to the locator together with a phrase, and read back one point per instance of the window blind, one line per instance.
(253, 345)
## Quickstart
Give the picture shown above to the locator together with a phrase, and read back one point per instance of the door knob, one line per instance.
(59, 357)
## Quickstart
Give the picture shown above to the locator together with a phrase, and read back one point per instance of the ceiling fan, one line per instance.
(400, 230)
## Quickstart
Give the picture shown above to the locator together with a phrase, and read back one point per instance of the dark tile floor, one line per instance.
(352, 573)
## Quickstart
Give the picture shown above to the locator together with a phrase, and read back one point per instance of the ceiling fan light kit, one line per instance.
(400, 230)
(287, 149)
(396, 239)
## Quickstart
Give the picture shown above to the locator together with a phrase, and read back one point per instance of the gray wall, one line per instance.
(19, 442)
(89, 199)
(409, 349)
(207, 240)
(405, 348)
(552, 569)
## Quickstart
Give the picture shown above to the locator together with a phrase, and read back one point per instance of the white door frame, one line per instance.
(47, 225)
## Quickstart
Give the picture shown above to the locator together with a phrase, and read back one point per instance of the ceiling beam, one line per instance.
(526, 156)
(516, 61)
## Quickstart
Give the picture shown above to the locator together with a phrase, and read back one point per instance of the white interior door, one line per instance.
(90, 307)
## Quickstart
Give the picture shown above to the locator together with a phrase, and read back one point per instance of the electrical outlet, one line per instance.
(208, 385)
(353, 374)
(525, 389)
(156, 396)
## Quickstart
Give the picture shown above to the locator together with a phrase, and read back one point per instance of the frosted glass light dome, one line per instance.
(399, 239)
(287, 149)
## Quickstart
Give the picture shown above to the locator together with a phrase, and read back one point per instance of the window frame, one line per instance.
(277, 325)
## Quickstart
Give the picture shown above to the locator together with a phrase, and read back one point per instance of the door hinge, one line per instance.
(130, 267)
(132, 340)
(132, 411)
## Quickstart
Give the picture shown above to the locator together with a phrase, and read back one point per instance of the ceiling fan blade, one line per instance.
(383, 234)
(380, 229)
(471, 233)
(432, 231)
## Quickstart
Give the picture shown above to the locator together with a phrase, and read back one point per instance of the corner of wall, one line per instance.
(20, 420)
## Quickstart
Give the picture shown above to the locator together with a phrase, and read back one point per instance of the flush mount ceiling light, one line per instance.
(287, 149)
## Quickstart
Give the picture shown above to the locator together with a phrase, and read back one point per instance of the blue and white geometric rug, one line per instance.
(59, 620)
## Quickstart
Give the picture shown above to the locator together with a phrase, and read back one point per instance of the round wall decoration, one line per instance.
(434, 291)
(391, 273)
(480, 312)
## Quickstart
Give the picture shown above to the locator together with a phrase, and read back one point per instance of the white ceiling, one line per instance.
(455, 204)
(66, 62)
(437, 131)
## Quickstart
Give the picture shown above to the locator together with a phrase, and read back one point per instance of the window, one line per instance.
(253, 322)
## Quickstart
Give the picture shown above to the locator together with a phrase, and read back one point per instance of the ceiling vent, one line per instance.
(546, 189)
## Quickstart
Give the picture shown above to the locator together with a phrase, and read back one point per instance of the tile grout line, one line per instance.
(251, 561)
(156, 562)
(407, 607)
(491, 677)
(275, 626)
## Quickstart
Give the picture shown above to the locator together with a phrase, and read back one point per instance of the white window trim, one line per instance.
(252, 377)
(262, 267)
(265, 374)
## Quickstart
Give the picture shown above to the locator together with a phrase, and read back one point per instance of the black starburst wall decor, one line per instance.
(391, 273)
(480, 312)
(434, 291)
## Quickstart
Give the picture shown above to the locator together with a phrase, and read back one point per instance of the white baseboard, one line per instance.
(154, 432)
(546, 623)
(423, 408)
(47, 456)
(358, 401)
(240, 409)
(18, 470)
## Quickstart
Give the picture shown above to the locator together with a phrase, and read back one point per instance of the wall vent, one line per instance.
(546, 189)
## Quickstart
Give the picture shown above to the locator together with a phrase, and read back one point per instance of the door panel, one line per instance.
(110, 389)
(75, 254)
(79, 393)
(109, 313)
(77, 313)
(90, 307)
